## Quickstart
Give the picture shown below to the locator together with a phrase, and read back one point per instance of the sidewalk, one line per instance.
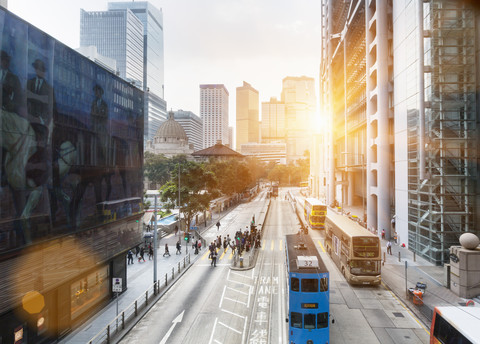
(418, 270)
(139, 279)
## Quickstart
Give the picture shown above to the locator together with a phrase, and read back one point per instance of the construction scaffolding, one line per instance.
(442, 206)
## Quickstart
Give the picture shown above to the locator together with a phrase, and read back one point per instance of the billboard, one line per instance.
(71, 139)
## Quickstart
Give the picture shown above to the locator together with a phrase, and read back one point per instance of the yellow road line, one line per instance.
(280, 245)
(321, 246)
(205, 255)
(231, 254)
(405, 307)
(223, 254)
(272, 245)
(264, 244)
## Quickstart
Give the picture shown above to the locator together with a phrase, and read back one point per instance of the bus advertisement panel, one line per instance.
(315, 213)
(355, 250)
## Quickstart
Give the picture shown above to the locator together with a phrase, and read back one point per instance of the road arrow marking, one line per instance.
(178, 319)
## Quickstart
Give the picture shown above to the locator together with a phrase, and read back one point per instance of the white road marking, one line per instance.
(170, 330)
(230, 328)
(213, 330)
(237, 291)
(236, 301)
(241, 275)
(238, 315)
(221, 299)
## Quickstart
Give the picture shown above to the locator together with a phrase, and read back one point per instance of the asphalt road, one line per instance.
(219, 305)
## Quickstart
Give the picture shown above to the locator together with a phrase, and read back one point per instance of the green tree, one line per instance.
(233, 176)
(158, 168)
(197, 188)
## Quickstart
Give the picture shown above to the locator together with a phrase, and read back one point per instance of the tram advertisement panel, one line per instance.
(71, 136)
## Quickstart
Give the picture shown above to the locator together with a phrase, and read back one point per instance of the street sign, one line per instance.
(117, 285)
(194, 228)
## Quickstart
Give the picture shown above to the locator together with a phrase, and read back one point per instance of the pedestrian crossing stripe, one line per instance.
(272, 245)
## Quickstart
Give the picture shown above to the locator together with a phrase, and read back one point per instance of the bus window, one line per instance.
(309, 321)
(324, 284)
(322, 320)
(295, 283)
(296, 319)
(310, 285)
(367, 267)
(446, 333)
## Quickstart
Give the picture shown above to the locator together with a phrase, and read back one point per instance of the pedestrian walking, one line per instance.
(218, 225)
(150, 252)
(389, 247)
(383, 233)
(167, 253)
(199, 244)
(214, 258)
(179, 248)
(142, 254)
(130, 257)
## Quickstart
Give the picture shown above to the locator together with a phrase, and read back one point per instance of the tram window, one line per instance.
(310, 285)
(296, 319)
(324, 284)
(309, 321)
(295, 283)
(322, 320)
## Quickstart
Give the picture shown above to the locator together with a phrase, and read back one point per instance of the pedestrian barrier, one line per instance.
(129, 315)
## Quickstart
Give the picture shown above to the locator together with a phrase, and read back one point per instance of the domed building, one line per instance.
(170, 139)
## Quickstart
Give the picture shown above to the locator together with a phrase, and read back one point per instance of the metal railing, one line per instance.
(127, 316)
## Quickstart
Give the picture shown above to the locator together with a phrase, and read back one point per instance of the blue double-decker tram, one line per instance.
(308, 295)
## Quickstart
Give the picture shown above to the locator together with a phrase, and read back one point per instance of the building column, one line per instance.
(383, 132)
(350, 188)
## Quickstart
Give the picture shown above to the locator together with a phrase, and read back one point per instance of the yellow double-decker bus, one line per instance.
(355, 250)
(315, 213)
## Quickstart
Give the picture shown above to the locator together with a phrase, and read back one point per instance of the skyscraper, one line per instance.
(272, 127)
(99, 29)
(117, 35)
(214, 113)
(398, 84)
(247, 115)
(193, 126)
(298, 95)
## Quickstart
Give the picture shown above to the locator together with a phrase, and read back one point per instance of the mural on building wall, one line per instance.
(71, 139)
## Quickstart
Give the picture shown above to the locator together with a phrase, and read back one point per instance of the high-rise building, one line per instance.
(398, 83)
(247, 115)
(298, 95)
(102, 30)
(193, 126)
(71, 192)
(214, 113)
(272, 127)
(230, 137)
(117, 35)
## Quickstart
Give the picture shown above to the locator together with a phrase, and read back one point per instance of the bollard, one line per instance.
(384, 257)
(178, 267)
(146, 297)
(414, 256)
(166, 283)
(136, 308)
(123, 320)
(399, 257)
(241, 262)
(184, 260)
(173, 273)
(108, 334)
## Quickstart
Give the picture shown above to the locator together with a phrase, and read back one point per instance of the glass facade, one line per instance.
(436, 208)
(71, 139)
(117, 35)
(71, 136)
(153, 61)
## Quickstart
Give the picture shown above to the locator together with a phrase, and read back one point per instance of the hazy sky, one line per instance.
(210, 41)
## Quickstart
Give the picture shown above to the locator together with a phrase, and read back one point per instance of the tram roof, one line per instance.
(293, 241)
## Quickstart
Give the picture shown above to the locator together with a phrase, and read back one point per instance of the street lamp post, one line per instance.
(155, 242)
(180, 212)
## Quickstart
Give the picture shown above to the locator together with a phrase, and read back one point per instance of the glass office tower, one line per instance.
(70, 182)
